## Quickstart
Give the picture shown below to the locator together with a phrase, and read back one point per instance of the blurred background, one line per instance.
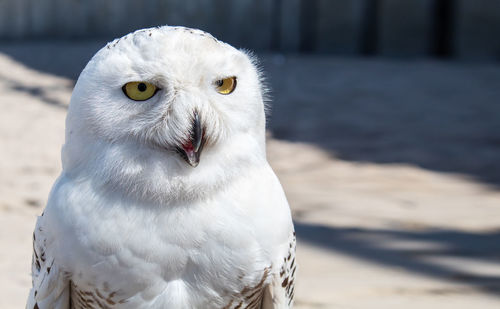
(384, 130)
(459, 29)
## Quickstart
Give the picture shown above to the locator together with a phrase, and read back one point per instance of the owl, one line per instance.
(166, 199)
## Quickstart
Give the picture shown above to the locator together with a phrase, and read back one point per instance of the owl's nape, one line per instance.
(191, 149)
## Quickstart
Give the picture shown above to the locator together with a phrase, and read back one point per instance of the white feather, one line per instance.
(128, 215)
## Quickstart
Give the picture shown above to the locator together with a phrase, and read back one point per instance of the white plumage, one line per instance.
(167, 202)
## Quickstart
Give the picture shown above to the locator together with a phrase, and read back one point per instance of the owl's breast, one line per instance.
(212, 276)
(131, 256)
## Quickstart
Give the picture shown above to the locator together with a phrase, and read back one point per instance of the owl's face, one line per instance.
(165, 107)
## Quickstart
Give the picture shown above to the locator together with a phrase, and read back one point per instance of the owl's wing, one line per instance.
(279, 293)
(50, 285)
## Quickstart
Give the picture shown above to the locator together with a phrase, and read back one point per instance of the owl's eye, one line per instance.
(225, 85)
(139, 91)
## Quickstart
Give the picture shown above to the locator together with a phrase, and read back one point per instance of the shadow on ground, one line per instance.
(440, 116)
(418, 252)
(40, 92)
(62, 58)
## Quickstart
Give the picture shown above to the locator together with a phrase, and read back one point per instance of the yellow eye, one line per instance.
(139, 91)
(225, 85)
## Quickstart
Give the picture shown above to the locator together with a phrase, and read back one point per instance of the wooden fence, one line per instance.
(444, 28)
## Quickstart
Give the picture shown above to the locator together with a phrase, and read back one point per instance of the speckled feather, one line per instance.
(250, 297)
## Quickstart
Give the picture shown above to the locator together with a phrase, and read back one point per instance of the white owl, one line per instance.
(166, 199)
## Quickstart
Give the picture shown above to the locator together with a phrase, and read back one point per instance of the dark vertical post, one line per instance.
(443, 32)
(308, 25)
(276, 25)
(370, 27)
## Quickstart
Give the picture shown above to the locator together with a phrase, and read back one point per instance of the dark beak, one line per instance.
(191, 149)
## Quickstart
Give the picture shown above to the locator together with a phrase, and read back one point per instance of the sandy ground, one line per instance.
(391, 169)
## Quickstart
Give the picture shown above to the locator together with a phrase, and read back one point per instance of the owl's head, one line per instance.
(167, 112)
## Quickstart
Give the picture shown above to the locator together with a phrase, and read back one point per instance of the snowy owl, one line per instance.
(166, 199)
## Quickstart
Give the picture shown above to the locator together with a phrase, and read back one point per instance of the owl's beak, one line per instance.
(191, 149)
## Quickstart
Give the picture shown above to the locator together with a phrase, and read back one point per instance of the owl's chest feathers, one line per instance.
(207, 248)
